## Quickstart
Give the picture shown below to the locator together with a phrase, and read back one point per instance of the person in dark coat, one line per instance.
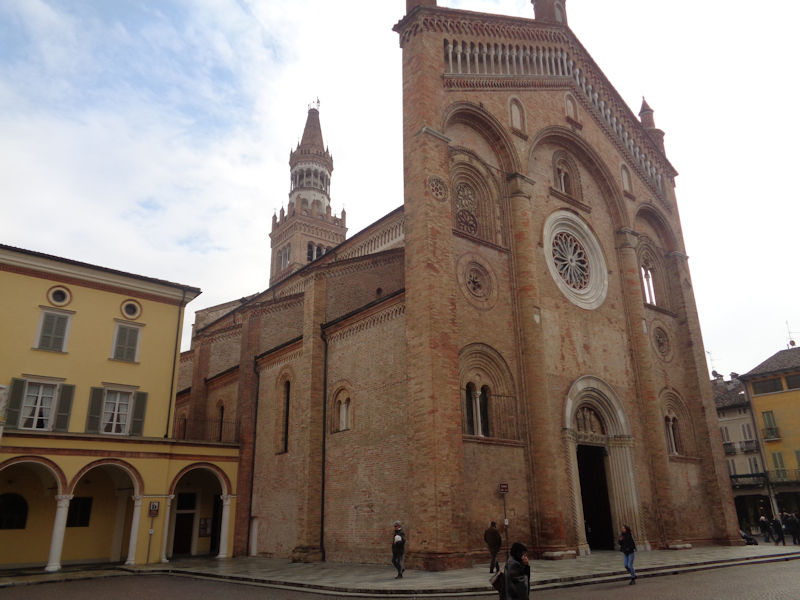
(517, 573)
(398, 548)
(763, 525)
(628, 548)
(493, 540)
(777, 531)
(793, 527)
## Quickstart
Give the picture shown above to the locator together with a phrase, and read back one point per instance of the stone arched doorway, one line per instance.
(599, 449)
(199, 513)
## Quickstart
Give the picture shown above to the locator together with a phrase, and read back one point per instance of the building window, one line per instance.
(116, 411)
(725, 435)
(53, 331)
(770, 427)
(13, 511)
(673, 438)
(310, 252)
(565, 176)
(571, 108)
(780, 467)
(767, 386)
(627, 185)
(754, 466)
(793, 382)
(59, 295)
(747, 432)
(731, 466)
(80, 510)
(38, 405)
(287, 392)
(126, 343)
(477, 410)
(647, 281)
(344, 414)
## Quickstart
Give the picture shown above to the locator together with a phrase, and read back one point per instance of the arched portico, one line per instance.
(595, 418)
(198, 512)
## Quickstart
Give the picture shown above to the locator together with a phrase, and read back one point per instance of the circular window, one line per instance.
(661, 342)
(131, 309)
(575, 260)
(477, 281)
(59, 296)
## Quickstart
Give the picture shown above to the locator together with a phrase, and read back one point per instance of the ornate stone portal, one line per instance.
(594, 416)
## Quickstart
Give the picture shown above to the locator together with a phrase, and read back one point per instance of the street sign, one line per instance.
(502, 488)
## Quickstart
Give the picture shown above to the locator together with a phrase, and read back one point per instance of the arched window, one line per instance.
(320, 251)
(517, 116)
(648, 273)
(571, 108)
(221, 421)
(287, 392)
(566, 179)
(477, 410)
(344, 414)
(672, 434)
(13, 511)
(627, 185)
(310, 252)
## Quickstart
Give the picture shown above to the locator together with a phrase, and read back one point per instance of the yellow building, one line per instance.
(89, 467)
(774, 391)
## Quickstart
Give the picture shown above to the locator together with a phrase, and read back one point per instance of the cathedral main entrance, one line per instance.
(594, 497)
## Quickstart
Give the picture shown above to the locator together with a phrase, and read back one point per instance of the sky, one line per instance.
(153, 136)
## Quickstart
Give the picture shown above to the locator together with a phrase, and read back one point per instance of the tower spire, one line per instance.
(649, 123)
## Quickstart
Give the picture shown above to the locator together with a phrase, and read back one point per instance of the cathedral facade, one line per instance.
(519, 341)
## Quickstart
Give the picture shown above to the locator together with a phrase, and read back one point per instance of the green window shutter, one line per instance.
(64, 408)
(127, 341)
(95, 410)
(139, 406)
(54, 329)
(16, 393)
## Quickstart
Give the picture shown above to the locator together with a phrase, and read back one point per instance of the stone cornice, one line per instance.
(371, 317)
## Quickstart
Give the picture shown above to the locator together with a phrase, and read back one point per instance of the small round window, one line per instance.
(131, 309)
(59, 296)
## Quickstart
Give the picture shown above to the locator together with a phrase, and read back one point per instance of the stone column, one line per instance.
(137, 511)
(624, 495)
(165, 538)
(223, 530)
(575, 504)
(57, 539)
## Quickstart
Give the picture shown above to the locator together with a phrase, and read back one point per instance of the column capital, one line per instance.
(627, 238)
(63, 498)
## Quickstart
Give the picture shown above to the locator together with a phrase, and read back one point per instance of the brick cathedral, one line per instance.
(526, 318)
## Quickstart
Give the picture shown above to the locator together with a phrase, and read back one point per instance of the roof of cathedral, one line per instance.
(785, 360)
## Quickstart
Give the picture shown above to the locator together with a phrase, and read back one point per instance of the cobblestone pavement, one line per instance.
(769, 581)
(340, 579)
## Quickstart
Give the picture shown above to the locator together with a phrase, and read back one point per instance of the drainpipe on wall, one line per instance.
(253, 460)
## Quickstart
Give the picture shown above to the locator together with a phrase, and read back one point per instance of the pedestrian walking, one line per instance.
(793, 527)
(398, 548)
(628, 548)
(517, 573)
(493, 541)
(777, 531)
(764, 525)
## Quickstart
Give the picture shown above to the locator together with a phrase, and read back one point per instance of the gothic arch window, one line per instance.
(672, 433)
(566, 179)
(13, 511)
(340, 411)
(517, 116)
(475, 211)
(651, 276)
(571, 108)
(476, 406)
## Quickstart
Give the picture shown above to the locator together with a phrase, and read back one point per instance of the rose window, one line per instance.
(466, 221)
(571, 260)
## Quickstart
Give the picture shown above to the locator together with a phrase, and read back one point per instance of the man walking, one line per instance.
(493, 541)
(398, 548)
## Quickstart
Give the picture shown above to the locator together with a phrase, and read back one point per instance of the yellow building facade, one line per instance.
(774, 391)
(90, 471)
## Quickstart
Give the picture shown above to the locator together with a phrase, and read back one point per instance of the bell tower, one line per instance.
(553, 11)
(307, 229)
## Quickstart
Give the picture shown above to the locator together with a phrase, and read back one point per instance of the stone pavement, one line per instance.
(341, 579)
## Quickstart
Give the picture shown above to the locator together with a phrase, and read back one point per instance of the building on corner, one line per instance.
(90, 471)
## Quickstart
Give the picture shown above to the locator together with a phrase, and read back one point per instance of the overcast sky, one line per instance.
(153, 136)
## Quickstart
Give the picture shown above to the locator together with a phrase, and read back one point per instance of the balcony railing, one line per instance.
(730, 447)
(198, 430)
(770, 433)
(749, 480)
(784, 476)
(748, 446)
